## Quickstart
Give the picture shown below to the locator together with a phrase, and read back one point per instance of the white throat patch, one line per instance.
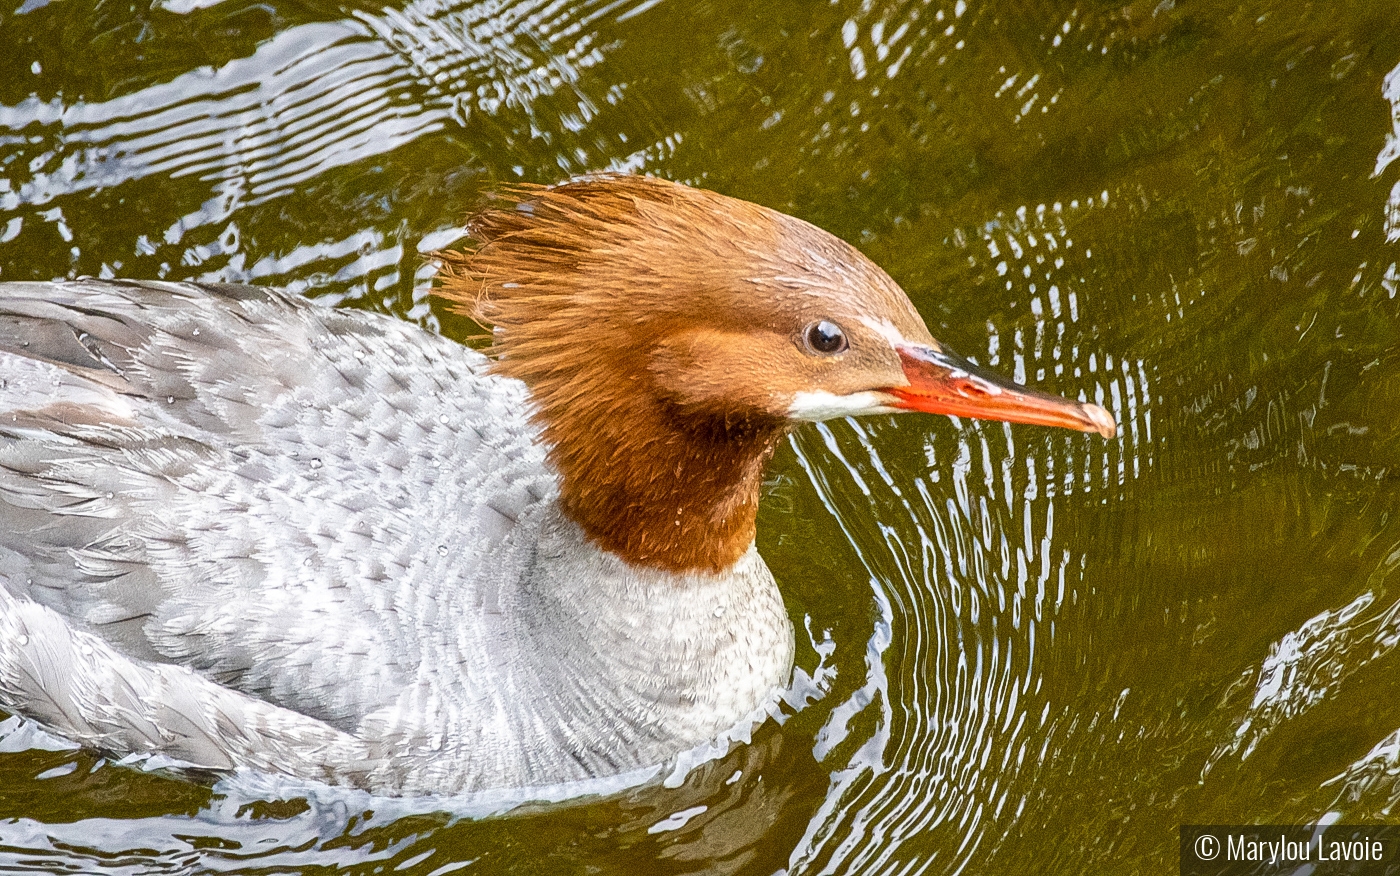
(818, 405)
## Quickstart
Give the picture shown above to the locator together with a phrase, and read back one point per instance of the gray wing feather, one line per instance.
(251, 487)
(76, 682)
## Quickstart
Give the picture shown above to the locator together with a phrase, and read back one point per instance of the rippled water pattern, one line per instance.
(1020, 651)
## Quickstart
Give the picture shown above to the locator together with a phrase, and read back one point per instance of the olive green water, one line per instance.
(1023, 651)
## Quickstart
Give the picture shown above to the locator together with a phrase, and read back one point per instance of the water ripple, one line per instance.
(968, 580)
(313, 98)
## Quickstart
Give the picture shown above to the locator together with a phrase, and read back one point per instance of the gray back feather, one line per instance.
(198, 475)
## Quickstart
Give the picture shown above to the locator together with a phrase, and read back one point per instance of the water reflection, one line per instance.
(1033, 252)
(310, 99)
(1028, 652)
(1389, 153)
(314, 98)
(970, 580)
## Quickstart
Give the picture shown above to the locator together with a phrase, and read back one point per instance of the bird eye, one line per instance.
(825, 337)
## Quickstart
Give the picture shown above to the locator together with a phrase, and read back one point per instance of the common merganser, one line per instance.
(243, 530)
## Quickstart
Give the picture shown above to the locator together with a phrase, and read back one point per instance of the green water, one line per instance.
(1032, 652)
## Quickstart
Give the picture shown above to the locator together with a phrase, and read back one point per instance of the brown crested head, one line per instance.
(669, 336)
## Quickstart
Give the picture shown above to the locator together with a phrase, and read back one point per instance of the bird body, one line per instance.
(244, 530)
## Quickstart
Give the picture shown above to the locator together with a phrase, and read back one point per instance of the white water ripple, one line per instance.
(314, 97)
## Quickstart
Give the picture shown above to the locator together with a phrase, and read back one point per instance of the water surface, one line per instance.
(1020, 651)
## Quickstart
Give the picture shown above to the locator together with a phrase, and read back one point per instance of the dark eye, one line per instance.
(825, 337)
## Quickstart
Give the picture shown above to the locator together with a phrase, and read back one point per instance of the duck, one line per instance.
(241, 530)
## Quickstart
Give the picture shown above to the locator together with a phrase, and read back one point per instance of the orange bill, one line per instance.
(943, 383)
